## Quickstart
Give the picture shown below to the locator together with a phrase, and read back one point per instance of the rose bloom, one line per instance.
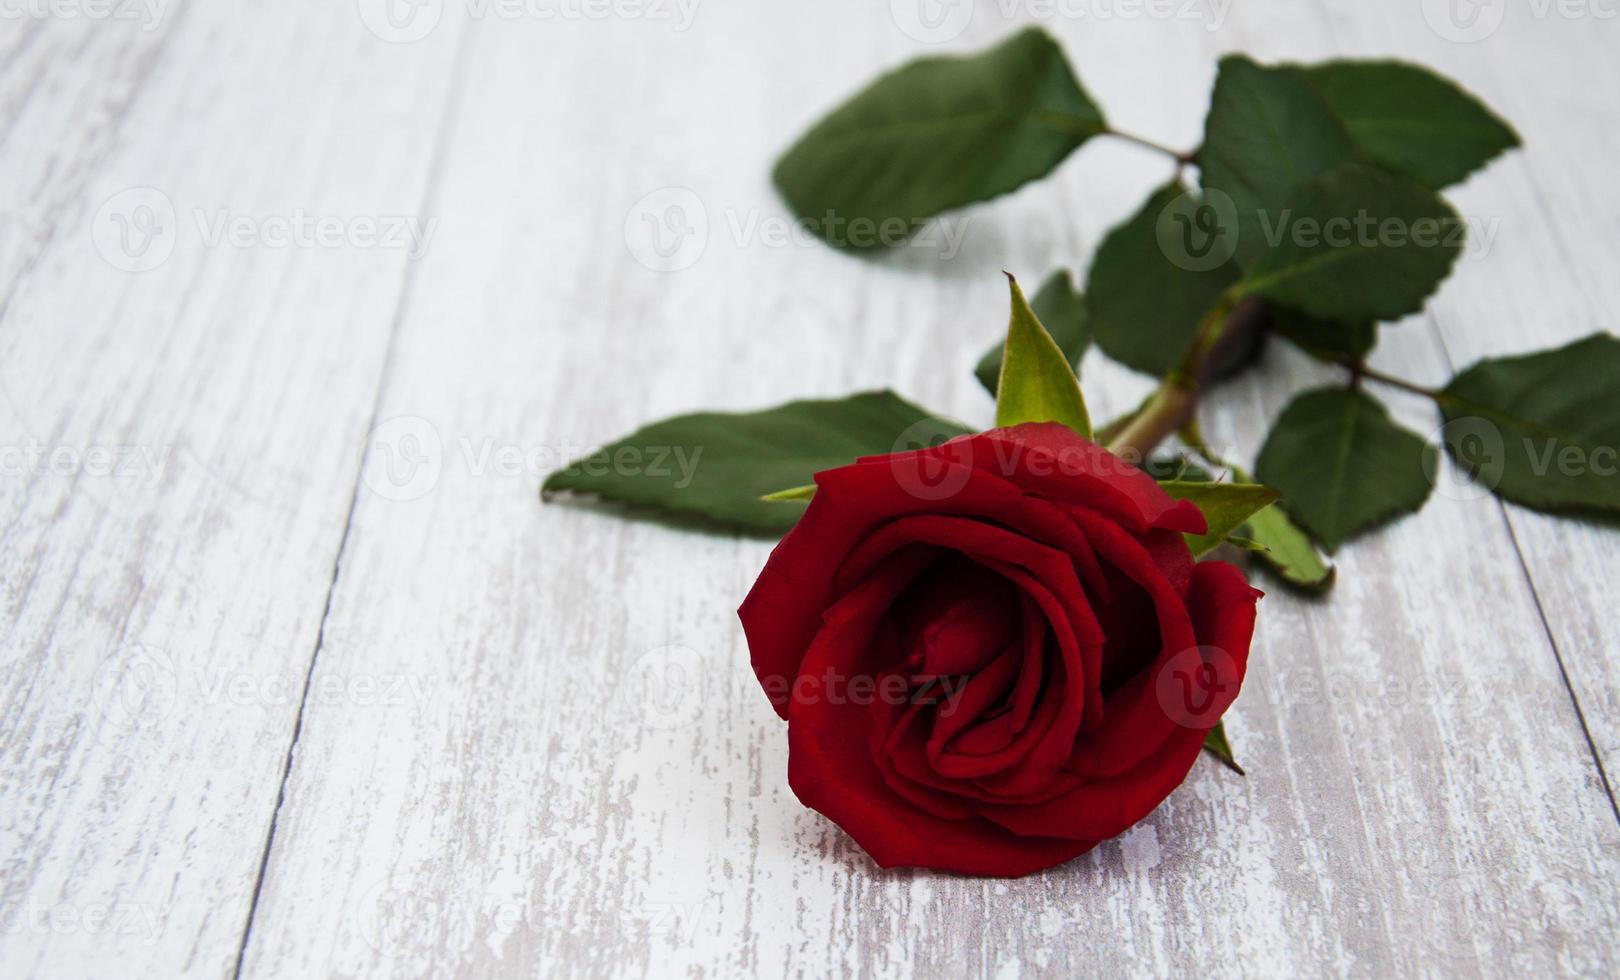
(997, 652)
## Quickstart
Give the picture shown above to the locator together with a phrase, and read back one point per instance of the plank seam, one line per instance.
(446, 125)
(1439, 337)
(1541, 609)
(1567, 261)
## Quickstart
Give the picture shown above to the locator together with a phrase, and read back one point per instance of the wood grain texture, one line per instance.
(529, 743)
(1421, 778)
(1550, 217)
(60, 120)
(159, 618)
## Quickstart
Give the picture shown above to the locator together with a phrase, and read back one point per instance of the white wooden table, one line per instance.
(274, 708)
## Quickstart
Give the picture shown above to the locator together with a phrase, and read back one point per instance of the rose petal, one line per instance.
(1054, 461)
(1047, 741)
(895, 750)
(1105, 808)
(903, 757)
(782, 612)
(1222, 606)
(1132, 728)
(831, 769)
(959, 620)
(1043, 573)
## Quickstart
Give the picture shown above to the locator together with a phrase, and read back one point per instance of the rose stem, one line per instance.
(1363, 371)
(1182, 159)
(1173, 405)
(1086, 127)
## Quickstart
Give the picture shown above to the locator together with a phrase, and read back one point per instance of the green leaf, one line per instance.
(1342, 465)
(1358, 244)
(1063, 312)
(1226, 507)
(1037, 384)
(1215, 744)
(1541, 429)
(1326, 340)
(936, 134)
(1288, 551)
(1407, 119)
(1146, 295)
(712, 468)
(1267, 134)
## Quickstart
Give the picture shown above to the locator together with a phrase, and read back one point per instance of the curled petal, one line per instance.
(1222, 608)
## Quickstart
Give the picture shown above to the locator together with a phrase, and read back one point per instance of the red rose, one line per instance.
(995, 653)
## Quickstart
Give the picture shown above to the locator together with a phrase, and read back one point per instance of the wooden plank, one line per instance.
(1542, 275)
(159, 620)
(1509, 682)
(581, 777)
(58, 120)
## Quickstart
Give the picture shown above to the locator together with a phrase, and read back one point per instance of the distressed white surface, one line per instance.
(159, 621)
(529, 743)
